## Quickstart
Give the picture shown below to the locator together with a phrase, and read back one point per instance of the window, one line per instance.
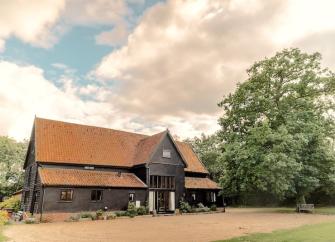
(166, 153)
(96, 195)
(66, 195)
(131, 197)
(194, 197)
(162, 182)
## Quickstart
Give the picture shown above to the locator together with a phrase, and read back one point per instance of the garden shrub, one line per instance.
(142, 210)
(213, 207)
(132, 210)
(99, 213)
(3, 217)
(200, 205)
(111, 216)
(185, 207)
(86, 215)
(11, 203)
(121, 213)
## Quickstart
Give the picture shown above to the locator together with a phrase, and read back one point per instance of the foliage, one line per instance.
(213, 207)
(12, 155)
(131, 211)
(185, 207)
(111, 216)
(11, 203)
(99, 213)
(277, 129)
(121, 213)
(86, 215)
(207, 149)
(200, 208)
(308, 233)
(3, 217)
(142, 210)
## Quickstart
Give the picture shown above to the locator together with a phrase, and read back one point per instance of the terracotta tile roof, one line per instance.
(80, 144)
(61, 142)
(192, 160)
(145, 148)
(200, 183)
(76, 177)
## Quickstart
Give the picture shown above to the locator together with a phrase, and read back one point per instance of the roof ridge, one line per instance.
(92, 126)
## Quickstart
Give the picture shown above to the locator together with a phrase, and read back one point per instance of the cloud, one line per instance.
(183, 56)
(42, 23)
(30, 21)
(24, 92)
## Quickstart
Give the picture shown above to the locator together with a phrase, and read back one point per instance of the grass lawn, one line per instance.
(2, 237)
(310, 233)
(317, 210)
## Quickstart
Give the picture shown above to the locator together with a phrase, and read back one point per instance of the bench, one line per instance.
(305, 208)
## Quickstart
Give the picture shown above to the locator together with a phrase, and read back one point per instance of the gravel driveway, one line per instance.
(205, 227)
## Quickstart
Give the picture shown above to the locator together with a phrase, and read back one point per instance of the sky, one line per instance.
(143, 65)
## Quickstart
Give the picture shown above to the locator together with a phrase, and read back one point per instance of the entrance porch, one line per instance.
(162, 201)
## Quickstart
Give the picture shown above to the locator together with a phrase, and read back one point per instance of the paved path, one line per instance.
(206, 227)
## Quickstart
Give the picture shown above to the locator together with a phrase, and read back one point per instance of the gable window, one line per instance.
(66, 195)
(166, 153)
(96, 195)
(131, 197)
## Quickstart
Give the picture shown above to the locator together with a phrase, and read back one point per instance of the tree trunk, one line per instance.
(301, 199)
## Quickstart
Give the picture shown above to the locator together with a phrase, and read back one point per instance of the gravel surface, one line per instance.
(205, 227)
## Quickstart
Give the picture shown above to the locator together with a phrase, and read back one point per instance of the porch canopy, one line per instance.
(200, 183)
(88, 178)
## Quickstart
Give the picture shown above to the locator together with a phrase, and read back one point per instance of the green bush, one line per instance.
(87, 215)
(11, 203)
(121, 213)
(142, 210)
(99, 213)
(3, 217)
(200, 205)
(111, 216)
(202, 210)
(73, 218)
(185, 207)
(213, 207)
(131, 211)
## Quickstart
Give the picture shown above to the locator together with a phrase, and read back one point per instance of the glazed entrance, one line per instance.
(162, 194)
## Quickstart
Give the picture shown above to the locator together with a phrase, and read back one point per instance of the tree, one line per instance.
(277, 128)
(207, 148)
(12, 155)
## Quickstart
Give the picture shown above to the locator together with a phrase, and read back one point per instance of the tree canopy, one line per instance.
(12, 155)
(277, 130)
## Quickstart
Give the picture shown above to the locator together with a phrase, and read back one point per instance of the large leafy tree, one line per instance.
(12, 154)
(207, 148)
(278, 128)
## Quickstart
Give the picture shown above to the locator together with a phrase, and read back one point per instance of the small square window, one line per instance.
(131, 197)
(96, 195)
(166, 153)
(66, 195)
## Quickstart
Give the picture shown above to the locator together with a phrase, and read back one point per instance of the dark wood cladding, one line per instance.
(113, 199)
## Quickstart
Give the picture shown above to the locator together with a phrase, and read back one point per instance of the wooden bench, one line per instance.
(305, 208)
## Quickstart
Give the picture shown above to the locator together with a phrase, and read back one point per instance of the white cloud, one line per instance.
(30, 21)
(117, 36)
(24, 92)
(184, 55)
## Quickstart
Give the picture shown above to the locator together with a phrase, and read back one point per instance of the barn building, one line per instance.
(72, 167)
